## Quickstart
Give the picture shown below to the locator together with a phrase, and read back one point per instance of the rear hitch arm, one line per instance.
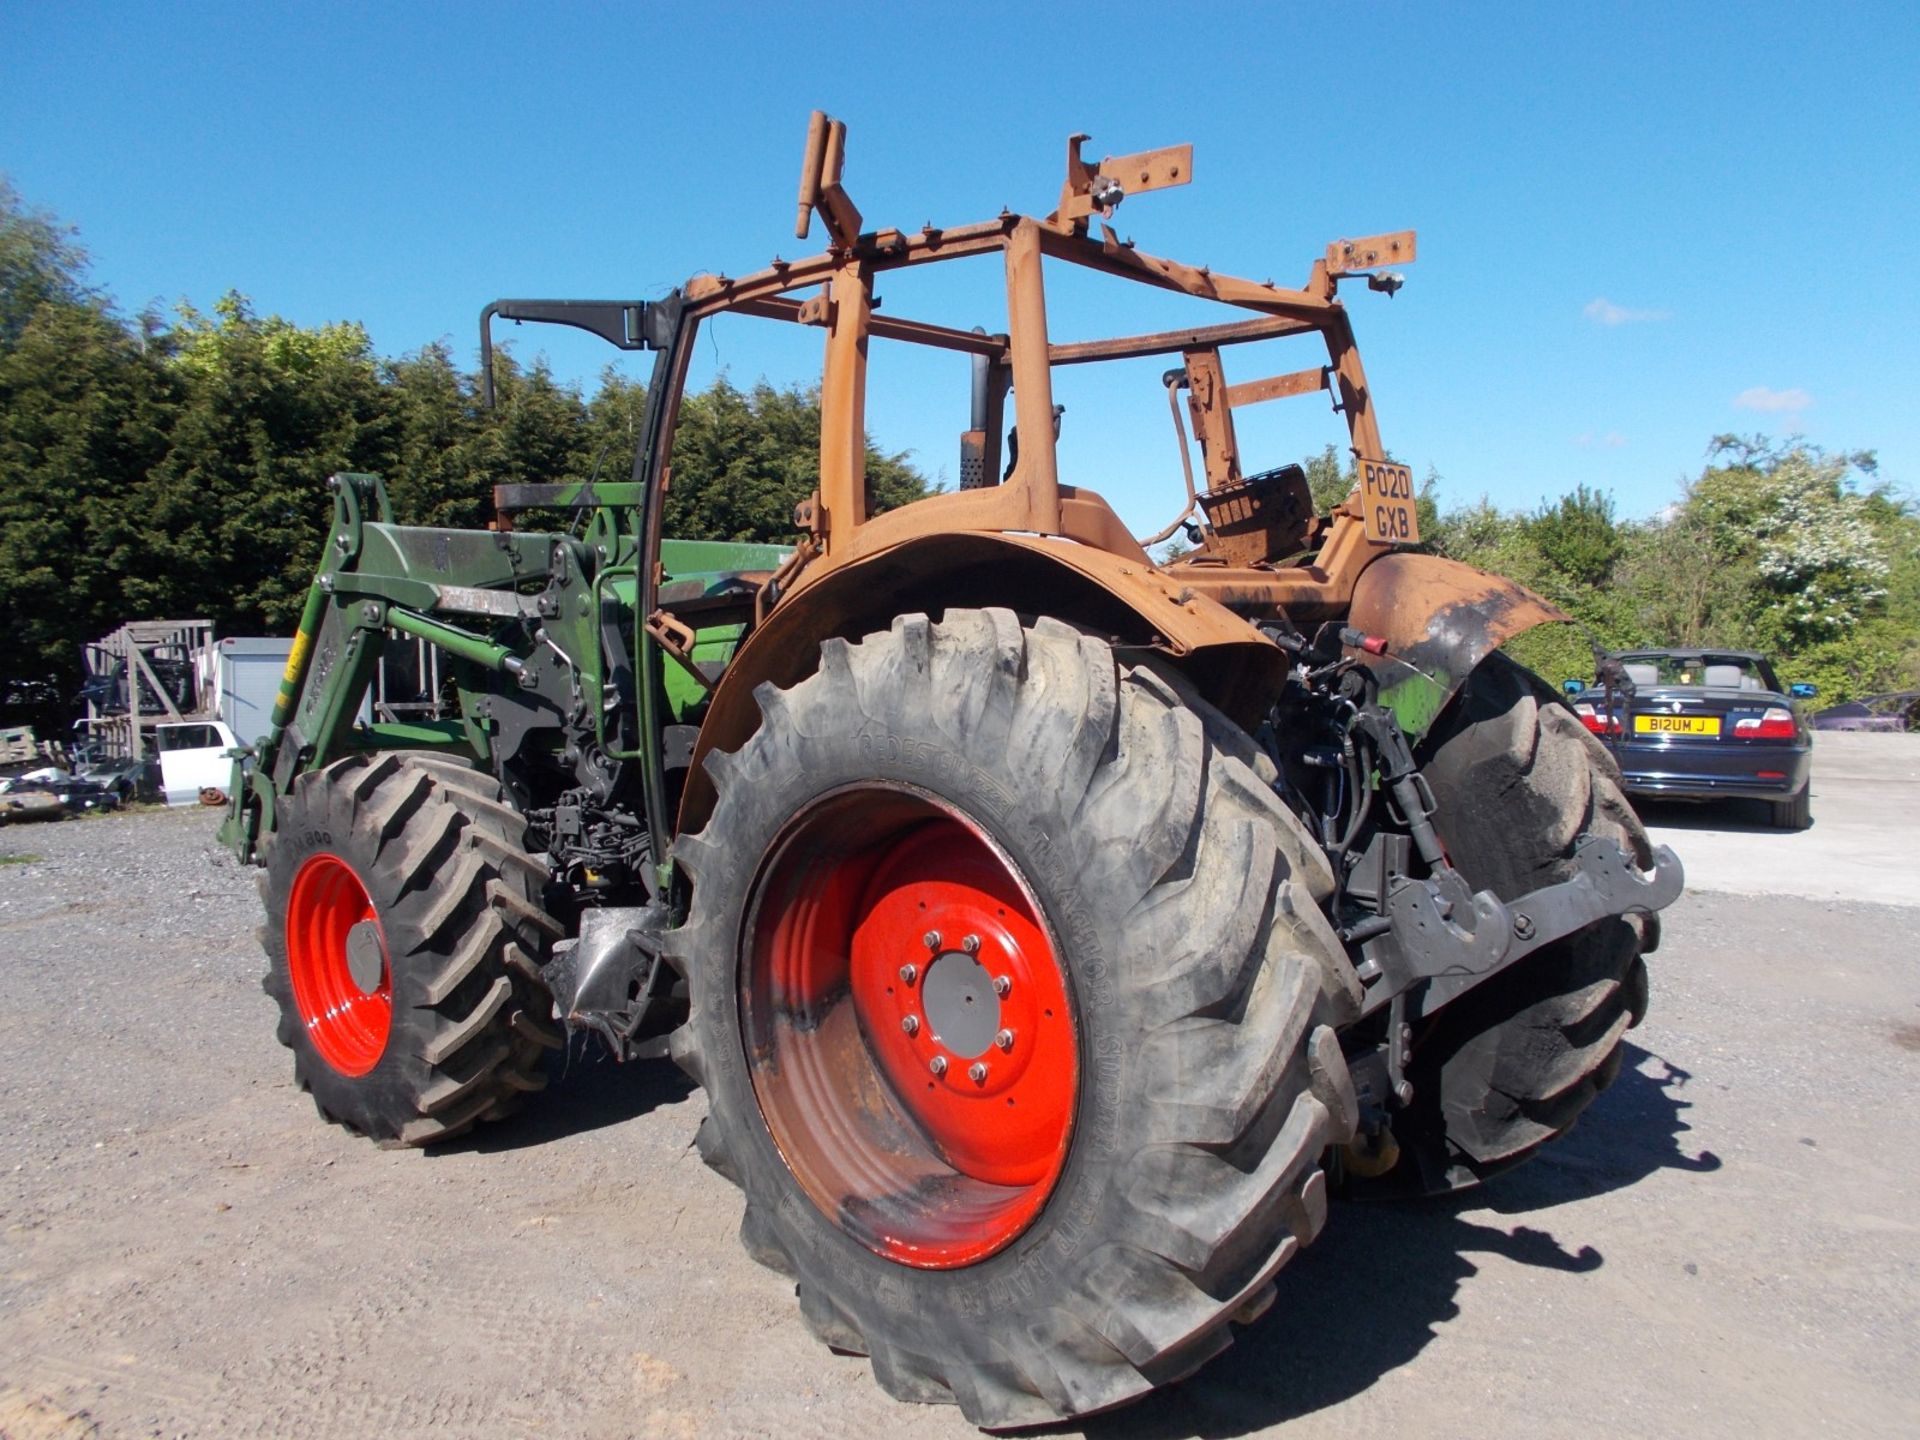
(1431, 956)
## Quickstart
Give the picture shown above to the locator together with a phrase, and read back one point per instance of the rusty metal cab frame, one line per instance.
(1054, 547)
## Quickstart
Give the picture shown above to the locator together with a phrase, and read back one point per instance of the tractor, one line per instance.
(1053, 929)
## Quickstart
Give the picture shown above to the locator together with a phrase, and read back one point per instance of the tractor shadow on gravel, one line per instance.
(586, 1090)
(1399, 1266)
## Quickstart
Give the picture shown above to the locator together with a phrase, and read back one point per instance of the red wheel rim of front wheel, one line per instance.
(922, 1146)
(347, 1026)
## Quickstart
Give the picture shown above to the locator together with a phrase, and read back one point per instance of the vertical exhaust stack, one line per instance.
(975, 472)
(980, 443)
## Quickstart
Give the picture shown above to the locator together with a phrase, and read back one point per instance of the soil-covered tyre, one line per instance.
(1511, 1065)
(403, 936)
(1796, 811)
(1016, 1012)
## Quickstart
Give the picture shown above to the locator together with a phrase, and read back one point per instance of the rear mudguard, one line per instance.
(1138, 606)
(1440, 619)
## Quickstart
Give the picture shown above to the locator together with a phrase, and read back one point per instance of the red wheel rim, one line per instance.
(909, 1029)
(346, 1023)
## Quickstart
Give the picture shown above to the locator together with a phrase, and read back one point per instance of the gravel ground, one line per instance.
(1866, 793)
(1727, 1245)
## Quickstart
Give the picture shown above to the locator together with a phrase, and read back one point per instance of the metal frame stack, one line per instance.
(127, 696)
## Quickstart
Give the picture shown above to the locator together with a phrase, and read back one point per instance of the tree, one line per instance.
(151, 470)
(743, 460)
(1681, 589)
(1786, 525)
(85, 407)
(1329, 481)
(231, 520)
(431, 459)
(1819, 554)
(1576, 535)
(41, 265)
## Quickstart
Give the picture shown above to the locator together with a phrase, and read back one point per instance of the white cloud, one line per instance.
(1772, 402)
(1612, 440)
(1603, 311)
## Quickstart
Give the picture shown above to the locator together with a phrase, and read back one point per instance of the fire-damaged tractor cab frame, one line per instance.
(609, 679)
(1271, 589)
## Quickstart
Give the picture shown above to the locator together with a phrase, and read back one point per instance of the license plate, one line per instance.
(1386, 501)
(1676, 724)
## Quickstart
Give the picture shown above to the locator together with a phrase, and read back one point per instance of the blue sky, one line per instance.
(1639, 225)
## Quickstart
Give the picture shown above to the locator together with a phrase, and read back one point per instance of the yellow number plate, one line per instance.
(1386, 503)
(1676, 724)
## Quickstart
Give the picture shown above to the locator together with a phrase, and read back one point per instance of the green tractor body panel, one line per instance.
(556, 675)
(714, 566)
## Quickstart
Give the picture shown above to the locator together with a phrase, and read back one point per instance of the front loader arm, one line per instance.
(500, 605)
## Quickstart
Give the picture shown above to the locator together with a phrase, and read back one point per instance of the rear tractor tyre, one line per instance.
(1511, 1065)
(403, 937)
(1016, 1012)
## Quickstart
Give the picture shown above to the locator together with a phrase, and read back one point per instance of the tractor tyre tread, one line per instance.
(442, 856)
(1511, 1066)
(1218, 987)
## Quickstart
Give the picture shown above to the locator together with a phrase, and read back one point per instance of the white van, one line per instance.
(193, 757)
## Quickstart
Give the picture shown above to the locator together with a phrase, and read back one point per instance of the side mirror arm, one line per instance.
(627, 324)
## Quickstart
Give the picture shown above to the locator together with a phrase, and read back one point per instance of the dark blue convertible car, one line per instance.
(1702, 725)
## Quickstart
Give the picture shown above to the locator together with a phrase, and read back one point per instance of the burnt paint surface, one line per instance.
(1440, 618)
(1230, 661)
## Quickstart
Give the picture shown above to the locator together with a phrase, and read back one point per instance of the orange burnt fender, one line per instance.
(1440, 619)
(1138, 606)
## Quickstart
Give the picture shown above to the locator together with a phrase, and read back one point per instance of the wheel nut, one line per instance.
(932, 937)
(971, 944)
(1004, 1039)
(1001, 985)
(938, 1065)
(909, 973)
(977, 1072)
(910, 1024)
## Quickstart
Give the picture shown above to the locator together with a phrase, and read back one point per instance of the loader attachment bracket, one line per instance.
(1098, 189)
(1357, 257)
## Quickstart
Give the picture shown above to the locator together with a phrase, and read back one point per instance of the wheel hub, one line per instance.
(963, 1013)
(366, 957)
(909, 1028)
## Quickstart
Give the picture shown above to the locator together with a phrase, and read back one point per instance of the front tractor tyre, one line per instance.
(403, 937)
(1017, 1013)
